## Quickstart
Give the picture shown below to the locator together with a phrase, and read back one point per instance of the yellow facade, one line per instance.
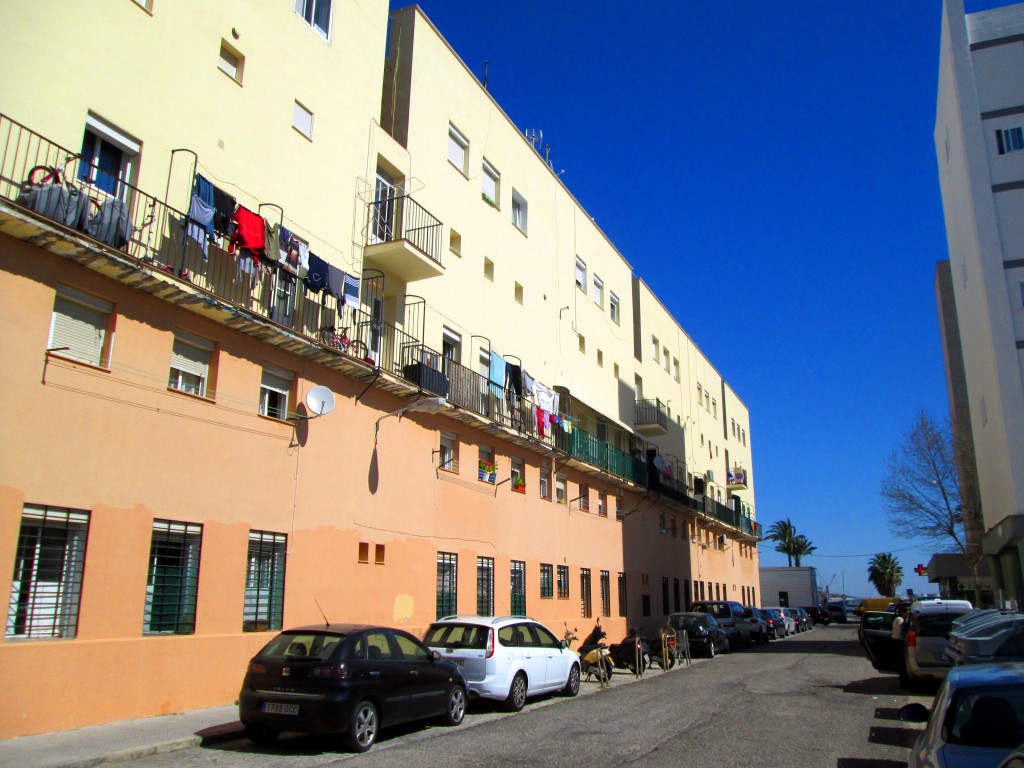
(361, 513)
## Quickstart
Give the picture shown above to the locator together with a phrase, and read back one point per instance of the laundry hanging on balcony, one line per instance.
(351, 291)
(335, 282)
(316, 277)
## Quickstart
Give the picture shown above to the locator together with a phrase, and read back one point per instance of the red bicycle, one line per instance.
(330, 337)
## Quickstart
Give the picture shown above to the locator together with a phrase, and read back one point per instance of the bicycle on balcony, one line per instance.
(330, 337)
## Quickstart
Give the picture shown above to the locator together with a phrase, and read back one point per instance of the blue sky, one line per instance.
(769, 169)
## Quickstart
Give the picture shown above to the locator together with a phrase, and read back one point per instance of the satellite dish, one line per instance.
(660, 464)
(320, 400)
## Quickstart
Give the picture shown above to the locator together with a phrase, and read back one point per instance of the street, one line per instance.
(806, 701)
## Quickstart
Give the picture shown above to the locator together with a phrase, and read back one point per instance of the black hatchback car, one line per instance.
(348, 679)
(703, 633)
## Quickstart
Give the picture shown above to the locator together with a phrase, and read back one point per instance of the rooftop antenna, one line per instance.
(327, 623)
(485, 74)
(535, 137)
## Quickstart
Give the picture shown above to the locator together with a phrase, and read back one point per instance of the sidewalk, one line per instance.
(97, 744)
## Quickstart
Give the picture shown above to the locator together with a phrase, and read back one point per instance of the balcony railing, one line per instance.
(651, 417)
(155, 237)
(402, 218)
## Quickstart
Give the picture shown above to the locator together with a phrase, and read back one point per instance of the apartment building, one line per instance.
(979, 140)
(296, 342)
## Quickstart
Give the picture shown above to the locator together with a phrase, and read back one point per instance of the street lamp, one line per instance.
(426, 404)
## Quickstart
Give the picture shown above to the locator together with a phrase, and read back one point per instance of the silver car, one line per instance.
(927, 635)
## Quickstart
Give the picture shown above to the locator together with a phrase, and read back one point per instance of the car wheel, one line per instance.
(261, 735)
(456, 710)
(572, 685)
(711, 649)
(516, 699)
(362, 730)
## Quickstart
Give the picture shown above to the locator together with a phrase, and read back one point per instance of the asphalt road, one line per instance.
(806, 701)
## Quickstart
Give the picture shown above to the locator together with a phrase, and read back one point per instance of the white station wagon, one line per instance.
(506, 658)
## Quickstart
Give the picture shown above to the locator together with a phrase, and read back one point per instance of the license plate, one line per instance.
(273, 708)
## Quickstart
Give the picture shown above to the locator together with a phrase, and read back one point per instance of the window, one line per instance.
(1010, 140)
(447, 584)
(190, 364)
(316, 13)
(489, 179)
(518, 583)
(485, 586)
(275, 389)
(664, 358)
(46, 587)
(451, 346)
(519, 211)
(598, 291)
(582, 342)
(600, 359)
(606, 594)
(675, 368)
(560, 496)
(700, 395)
(714, 408)
(563, 581)
(613, 307)
(379, 554)
(81, 327)
(455, 242)
(264, 582)
(602, 504)
(231, 62)
(518, 293)
(622, 594)
(518, 476)
(173, 581)
(547, 580)
(585, 607)
(448, 458)
(488, 269)
(108, 157)
(584, 497)
(302, 120)
(544, 483)
(487, 466)
(655, 348)
(581, 274)
(457, 148)
(364, 552)
(664, 595)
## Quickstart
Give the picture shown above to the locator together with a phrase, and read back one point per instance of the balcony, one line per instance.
(403, 239)
(736, 478)
(651, 418)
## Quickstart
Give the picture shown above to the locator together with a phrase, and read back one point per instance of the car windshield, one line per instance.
(456, 636)
(989, 716)
(685, 622)
(719, 611)
(317, 646)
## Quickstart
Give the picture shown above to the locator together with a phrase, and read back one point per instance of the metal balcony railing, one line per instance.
(402, 218)
(651, 412)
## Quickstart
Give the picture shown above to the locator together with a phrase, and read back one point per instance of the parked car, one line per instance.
(759, 633)
(703, 633)
(730, 617)
(836, 612)
(875, 635)
(986, 636)
(786, 627)
(926, 637)
(977, 717)
(507, 658)
(348, 679)
(802, 616)
(776, 627)
(818, 614)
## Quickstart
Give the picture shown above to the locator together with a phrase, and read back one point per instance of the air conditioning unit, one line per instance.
(722, 541)
(710, 475)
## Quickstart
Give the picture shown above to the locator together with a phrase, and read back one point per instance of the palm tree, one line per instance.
(801, 548)
(886, 573)
(783, 532)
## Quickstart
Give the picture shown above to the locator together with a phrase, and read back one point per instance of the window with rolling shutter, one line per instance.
(79, 327)
(190, 364)
(275, 388)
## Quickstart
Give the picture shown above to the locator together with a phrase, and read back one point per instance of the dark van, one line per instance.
(730, 617)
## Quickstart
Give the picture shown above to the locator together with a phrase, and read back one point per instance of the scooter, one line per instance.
(632, 653)
(595, 658)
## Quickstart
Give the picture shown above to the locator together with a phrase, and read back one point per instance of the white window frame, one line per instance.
(561, 489)
(448, 457)
(675, 368)
(307, 11)
(231, 62)
(1010, 141)
(81, 328)
(544, 484)
(597, 291)
(275, 383)
(191, 362)
(128, 146)
(490, 184)
(581, 274)
(458, 149)
(520, 211)
(613, 307)
(302, 119)
(655, 348)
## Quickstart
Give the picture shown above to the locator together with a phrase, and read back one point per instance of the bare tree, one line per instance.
(921, 488)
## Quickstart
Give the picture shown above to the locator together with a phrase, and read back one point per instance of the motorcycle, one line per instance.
(632, 653)
(595, 658)
(663, 649)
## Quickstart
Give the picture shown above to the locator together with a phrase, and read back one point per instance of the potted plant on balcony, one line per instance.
(487, 471)
(518, 483)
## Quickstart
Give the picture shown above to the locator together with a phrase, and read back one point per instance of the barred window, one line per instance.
(585, 608)
(173, 582)
(547, 580)
(447, 584)
(485, 586)
(46, 588)
(264, 582)
(606, 594)
(563, 581)
(622, 594)
(518, 582)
